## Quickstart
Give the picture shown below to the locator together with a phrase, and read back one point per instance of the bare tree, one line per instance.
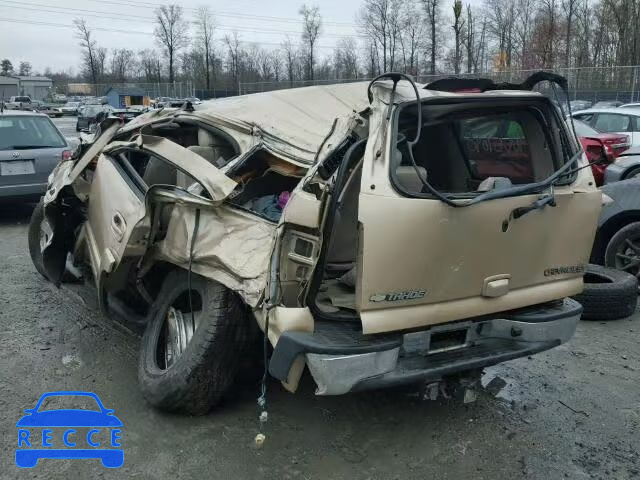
(501, 15)
(206, 27)
(458, 25)
(569, 7)
(101, 61)
(374, 20)
(345, 56)
(432, 9)
(171, 32)
(233, 57)
(264, 64)
(311, 27)
(122, 62)
(276, 64)
(147, 59)
(290, 58)
(548, 15)
(89, 47)
(469, 40)
(411, 37)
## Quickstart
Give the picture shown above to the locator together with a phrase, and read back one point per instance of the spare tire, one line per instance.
(608, 294)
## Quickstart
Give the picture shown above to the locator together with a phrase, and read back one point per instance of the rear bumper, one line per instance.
(23, 190)
(341, 359)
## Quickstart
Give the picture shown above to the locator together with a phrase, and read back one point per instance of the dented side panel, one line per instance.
(231, 247)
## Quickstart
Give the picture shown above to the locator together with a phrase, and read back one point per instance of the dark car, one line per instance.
(89, 114)
(617, 242)
(30, 147)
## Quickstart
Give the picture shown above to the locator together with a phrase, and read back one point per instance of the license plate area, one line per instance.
(448, 340)
(17, 167)
(436, 340)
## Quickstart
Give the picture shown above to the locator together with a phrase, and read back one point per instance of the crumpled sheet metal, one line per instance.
(231, 247)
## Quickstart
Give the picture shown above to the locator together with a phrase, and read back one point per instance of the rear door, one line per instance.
(424, 262)
(116, 209)
(118, 219)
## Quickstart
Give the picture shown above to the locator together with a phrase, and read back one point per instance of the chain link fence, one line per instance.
(585, 83)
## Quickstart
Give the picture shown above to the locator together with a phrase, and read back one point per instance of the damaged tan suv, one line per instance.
(378, 234)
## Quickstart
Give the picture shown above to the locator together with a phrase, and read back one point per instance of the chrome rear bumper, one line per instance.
(431, 354)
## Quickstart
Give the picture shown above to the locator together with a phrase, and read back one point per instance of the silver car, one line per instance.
(30, 147)
(613, 120)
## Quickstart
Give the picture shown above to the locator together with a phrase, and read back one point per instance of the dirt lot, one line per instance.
(573, 412)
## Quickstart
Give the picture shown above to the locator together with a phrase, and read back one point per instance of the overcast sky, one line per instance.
(38, 30)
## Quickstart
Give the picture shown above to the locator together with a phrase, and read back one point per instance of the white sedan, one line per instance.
(613, 120)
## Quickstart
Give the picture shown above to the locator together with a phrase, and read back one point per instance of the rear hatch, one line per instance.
(426, 260)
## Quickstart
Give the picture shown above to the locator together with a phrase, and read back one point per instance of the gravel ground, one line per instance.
(573, 412)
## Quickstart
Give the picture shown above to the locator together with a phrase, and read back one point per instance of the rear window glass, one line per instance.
(496, 147)
(584, 130)
(26, 132)
(612, 122)
(468, 152)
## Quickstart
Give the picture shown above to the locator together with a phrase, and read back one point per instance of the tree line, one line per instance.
(419, 37)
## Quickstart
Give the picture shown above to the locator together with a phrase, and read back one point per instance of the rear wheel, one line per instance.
(632, 173)
(623, 250)
(188, 362)
(35, 235)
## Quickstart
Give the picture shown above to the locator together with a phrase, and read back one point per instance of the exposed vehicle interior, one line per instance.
(474, 151)
(460, 152)
(264, 184)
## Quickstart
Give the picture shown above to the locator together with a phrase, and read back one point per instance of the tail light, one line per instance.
(66, 155)
(618, 144)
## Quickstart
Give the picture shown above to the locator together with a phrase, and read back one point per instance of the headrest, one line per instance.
(205, 139)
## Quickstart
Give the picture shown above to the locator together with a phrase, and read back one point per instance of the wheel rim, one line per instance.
(178, 328)
(628, 256)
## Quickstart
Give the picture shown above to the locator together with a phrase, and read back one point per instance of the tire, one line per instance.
(623, 250)
(201, 374)
(34, 238)
(632, 172)
(608, 294)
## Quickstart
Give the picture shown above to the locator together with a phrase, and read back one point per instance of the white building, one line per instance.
(37, 88)
(9, 87)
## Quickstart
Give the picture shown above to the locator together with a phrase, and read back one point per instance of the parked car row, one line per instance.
(620, 157)
(169, 102)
